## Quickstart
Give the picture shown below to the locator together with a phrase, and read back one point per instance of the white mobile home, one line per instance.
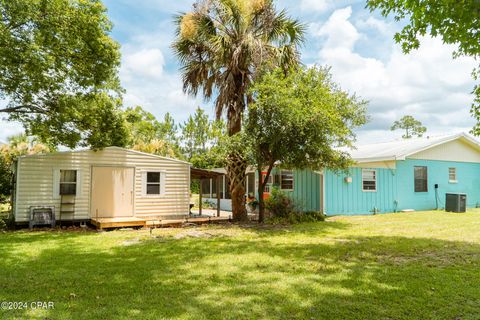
(110, 183)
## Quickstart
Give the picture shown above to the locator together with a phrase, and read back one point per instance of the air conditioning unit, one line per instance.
(455, 202)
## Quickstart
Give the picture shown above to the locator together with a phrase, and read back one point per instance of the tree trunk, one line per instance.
(236, 163)
(236, 169)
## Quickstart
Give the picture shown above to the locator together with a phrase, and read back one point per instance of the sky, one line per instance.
(358, 46)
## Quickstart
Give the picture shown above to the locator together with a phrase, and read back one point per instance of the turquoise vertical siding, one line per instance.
(349, 198)
(395, 188)
(306, 190)
(468, 177)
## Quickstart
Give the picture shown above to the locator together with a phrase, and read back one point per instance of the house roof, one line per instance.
(198, 173)
(106, 148)
(401, 149)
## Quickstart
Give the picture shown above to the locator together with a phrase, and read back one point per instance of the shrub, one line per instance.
(279, 204)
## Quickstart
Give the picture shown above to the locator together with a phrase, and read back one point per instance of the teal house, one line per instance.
(411, 174)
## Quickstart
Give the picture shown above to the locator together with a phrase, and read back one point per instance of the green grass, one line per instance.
(423, 265)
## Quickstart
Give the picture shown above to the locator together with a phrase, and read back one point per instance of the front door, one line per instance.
(112, 192)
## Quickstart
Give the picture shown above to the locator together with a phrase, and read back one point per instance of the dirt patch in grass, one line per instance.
(449, 256)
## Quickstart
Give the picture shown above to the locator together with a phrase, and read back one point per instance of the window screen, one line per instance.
(287, 180)
(369, 180)
(421, 179)
(153, 182)
(452, 174)
(205, 188)
(68, 182)
(251, 183)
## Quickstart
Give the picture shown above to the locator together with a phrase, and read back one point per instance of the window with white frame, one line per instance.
(68, 182)
(369, 180)
(286, 182)
(153, 182)
(452, 175)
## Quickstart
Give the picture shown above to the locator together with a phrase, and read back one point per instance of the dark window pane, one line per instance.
(287, 180)
(369, 185)
(276, 179)
(153, 189)
(205, 188)
(68, 175)
(68, 188)
(251, 183)
(420, 179)
(153, 177)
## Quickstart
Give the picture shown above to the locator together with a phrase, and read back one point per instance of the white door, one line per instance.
(112, 192)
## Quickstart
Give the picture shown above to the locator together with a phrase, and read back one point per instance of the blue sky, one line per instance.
(357, 44)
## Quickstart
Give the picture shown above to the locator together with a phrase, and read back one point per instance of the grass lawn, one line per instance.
(423, 265)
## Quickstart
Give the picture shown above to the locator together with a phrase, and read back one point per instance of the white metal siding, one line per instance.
(456, 150)
(36, 177)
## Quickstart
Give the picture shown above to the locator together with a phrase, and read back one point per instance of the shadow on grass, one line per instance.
(250, 277)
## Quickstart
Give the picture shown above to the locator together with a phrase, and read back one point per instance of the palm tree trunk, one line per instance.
(236, 171)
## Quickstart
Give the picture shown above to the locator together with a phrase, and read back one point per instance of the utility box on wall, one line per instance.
(455, 202)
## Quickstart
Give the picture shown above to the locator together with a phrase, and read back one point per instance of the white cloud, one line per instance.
(427, 83)
(145, 63)
(316, 5)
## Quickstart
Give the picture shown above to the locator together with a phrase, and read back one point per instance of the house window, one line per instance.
(153, 182)
(251, 183)
(452, 175)
(287, 180)
(68, 182)
(421, 179)
(369, 180)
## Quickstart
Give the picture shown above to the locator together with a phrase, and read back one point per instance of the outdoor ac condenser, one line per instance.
(455, 202)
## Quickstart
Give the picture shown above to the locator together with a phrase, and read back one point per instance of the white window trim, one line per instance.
(375, 190)
(56, 182)
(293, 181)
(455, 173)
(163, 175)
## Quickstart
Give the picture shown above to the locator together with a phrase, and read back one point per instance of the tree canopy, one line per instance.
(411, 126)
(300, 121)
(222, 46)
(456, 22)
(59, 71)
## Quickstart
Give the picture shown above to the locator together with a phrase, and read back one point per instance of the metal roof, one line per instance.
(400, 149)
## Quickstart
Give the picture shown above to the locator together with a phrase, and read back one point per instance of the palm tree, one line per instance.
(222, 46)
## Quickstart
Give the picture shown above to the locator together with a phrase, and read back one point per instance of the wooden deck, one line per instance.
(152, 222)
(105, 223)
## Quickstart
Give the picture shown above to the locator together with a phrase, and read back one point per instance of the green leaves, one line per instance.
(300, 120)
(224, 45)
(57, 61)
